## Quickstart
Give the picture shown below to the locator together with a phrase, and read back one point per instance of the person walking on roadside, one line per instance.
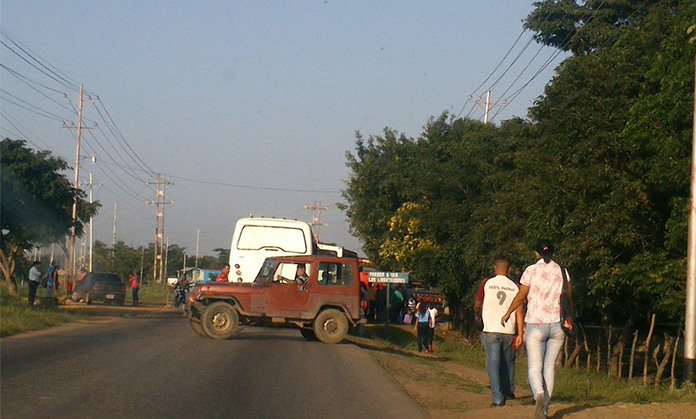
(50, 280)
(135, 287)
(493, 299)
(34, 281)
(422, 317)
(431, 325)
(541, 285)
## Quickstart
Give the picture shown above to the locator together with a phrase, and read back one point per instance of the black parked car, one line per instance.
(101, 286)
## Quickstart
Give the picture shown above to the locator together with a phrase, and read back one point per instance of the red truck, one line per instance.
(320, 294)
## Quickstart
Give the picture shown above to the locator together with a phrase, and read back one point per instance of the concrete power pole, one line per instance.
(160, 203)
(488, 108)
(316, 209)
(73, 232)
(690, 315)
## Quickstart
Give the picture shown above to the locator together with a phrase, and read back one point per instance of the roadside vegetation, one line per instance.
(572, 386)
(17, 317)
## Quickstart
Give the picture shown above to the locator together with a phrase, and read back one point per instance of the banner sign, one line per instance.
(388, 277)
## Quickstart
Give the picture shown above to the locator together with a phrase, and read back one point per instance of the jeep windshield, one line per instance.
(266, 273)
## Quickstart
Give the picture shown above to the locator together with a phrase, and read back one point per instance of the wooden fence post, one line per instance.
(672, 384)
(647, 351)
(609, 353)
(633, 354)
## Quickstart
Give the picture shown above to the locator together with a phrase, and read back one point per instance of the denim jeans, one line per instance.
(543, 342)
(422, 336)
(500, 362)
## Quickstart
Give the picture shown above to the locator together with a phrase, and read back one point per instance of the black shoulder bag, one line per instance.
(567, 321)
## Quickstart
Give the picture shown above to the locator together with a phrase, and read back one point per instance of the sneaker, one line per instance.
(498, 404)
(510, 396)
(539, 410)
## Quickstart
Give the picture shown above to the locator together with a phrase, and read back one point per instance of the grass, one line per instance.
(571, 385)
(17, 317)
(152, 294)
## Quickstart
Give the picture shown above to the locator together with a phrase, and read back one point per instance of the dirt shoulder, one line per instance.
(447, 389)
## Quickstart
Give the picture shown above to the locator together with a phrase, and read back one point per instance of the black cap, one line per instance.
(544, 248)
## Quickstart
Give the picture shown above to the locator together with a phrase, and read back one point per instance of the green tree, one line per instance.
(36, 203)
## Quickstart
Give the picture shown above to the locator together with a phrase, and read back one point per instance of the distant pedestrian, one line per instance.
(51, 279)
(135, 287)
(431, 325)
(541, 285)
(34, 281)
(422, 326)
(492, 301)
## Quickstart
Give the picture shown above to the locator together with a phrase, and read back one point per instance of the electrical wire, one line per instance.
(32, 54)
(469, 97)
(40, 111)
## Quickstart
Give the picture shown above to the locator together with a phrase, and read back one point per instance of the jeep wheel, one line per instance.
(220, 321)
(308, 333)
(331, 326)
(196, 326)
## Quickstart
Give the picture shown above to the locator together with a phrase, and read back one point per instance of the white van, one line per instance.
(254, 239)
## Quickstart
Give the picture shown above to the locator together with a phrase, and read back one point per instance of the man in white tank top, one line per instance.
(492, 301)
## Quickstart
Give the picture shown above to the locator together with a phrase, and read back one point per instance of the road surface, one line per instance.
(158, 368)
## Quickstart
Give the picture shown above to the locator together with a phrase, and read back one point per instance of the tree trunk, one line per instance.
(8, 267)
(667, 351)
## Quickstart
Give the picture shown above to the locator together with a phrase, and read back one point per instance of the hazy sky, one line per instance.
(258, 94)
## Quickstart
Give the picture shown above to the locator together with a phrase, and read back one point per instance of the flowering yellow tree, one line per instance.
(407, 243)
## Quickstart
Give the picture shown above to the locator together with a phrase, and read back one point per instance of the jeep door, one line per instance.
(287, 296)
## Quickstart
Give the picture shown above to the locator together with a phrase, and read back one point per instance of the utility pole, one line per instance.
(198, 240)
(690, 317)
(142, 261)
(71, 269)
(113, 238)
(160, 203)
(316, 209)
(91, 219)
(488, 108)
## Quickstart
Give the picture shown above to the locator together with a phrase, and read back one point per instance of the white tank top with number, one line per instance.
(498, 293)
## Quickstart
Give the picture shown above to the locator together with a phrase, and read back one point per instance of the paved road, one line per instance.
(158, 368)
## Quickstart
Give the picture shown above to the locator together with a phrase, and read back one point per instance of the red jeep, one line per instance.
(319, 294)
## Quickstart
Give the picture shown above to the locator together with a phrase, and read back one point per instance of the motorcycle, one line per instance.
(180, 294)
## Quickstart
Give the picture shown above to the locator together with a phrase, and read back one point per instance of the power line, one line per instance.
(492, 72)
(50, 76)
(39, 111)
(255, 188)
(31, 54)
(29, 80)
(553, 56)
(121, 135)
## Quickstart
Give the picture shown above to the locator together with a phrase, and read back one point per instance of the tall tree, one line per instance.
(36, 203)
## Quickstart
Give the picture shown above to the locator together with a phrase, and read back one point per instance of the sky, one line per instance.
(248, 107)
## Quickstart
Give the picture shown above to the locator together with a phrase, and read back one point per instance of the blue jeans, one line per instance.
(500, 362)
(543, 342)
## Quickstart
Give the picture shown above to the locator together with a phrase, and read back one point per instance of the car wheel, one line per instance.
(330, 326)
(196, 326)
(220, 321)
(88, 299)
(308, 333)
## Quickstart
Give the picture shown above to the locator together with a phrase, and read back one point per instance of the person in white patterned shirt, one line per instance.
(541, 285)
